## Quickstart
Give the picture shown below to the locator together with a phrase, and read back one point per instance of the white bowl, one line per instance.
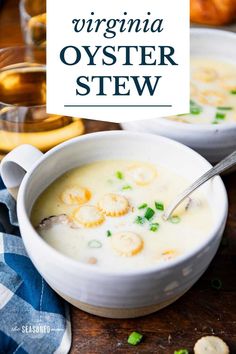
(214, 142)
(105, 292)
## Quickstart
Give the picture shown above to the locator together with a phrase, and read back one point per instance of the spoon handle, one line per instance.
(223, 165)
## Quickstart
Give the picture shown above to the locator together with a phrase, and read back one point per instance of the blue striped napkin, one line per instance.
(33, 318)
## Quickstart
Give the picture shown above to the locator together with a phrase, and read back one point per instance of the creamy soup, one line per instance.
(109, 214)
(213, 92)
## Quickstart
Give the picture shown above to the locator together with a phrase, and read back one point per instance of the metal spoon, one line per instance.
(222, 166)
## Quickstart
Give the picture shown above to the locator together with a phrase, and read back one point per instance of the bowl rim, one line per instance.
(24, 219)
(201, 127)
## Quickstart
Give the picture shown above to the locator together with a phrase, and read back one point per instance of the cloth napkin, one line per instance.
(33, 318)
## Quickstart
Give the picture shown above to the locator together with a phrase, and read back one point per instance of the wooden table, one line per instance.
(202, 311)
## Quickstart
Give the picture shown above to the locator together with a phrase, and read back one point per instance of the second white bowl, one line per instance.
(214, 142)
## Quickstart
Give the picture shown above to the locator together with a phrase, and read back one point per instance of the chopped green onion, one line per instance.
(175, 219)
(154, 227)
(220, 115)
(216, 284)
(135, 338)
(149, 213)
(233, 92)
(109, 233)
(225, 108)
(94, 244)
(159, 205)
(215, 122)
(181, 351)
(125, 188)
(195, 110)
(140, 220)
(119, 175)
(143, 206)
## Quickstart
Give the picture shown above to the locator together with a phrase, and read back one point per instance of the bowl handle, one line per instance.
(16, 164)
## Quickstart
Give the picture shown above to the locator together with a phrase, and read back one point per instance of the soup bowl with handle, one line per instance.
(105, 292)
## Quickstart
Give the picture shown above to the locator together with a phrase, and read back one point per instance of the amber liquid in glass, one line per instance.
(23, 117)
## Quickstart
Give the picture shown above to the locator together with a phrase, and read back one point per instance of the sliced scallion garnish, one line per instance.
(181, 351)
(140, 220)
(109, 233)
(154, 226)
(94, 244)
(225, 108)
(159, 206)
(143, 206)
(135, 338)
(233, 92)
(195, 110)
(119, 175)
(220, 115)
(175, 219)
(127, 187)
(149, 213)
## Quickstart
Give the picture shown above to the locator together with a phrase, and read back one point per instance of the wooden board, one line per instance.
(202, 311)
